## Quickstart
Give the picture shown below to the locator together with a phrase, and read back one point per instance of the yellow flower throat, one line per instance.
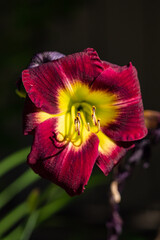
(84, 111)
(79, 123)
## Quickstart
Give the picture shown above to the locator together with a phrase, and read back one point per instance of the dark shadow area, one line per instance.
(120, 31)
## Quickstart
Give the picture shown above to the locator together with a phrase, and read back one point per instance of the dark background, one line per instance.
(120, 31)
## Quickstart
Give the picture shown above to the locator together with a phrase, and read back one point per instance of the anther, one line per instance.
(98, 124)
(79, 115)
(76, 124)
(93, 109)
(94, 115)
(88, 126)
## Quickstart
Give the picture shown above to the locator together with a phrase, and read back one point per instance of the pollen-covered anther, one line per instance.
(93, 109)
(76, 124)
(98, 124)
(94, 115)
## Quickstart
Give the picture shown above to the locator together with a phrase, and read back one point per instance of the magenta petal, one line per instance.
(43, 83)
(123, 82)
(68, 166)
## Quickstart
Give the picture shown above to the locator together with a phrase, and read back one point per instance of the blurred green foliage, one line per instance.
(20, 220)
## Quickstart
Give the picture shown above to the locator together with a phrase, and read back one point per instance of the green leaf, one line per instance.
(15, 234)
(31, 223)
(53, 207)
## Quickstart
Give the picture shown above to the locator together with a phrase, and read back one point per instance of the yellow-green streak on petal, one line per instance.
(105, 143)
(42, 116)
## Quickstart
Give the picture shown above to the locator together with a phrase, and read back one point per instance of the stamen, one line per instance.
(93, 109)
(79, 115)
(88, 126)
(94, 119)
(98, 125)
(94, 115)
(77, 125)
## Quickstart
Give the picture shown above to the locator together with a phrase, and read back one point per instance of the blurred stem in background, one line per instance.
(141, 151)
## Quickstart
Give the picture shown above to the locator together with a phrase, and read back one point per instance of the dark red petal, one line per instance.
(116, 67)
(32, 117)
(29, 116)
(123, 82)
(43, 82)
(107, 162)
(66, 165)
(111, 156)
(108, 64)
(45, 144)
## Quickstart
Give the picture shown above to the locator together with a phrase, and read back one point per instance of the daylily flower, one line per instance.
(81, 111)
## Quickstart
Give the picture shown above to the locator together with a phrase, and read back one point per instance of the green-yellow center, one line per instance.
(84, 111)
